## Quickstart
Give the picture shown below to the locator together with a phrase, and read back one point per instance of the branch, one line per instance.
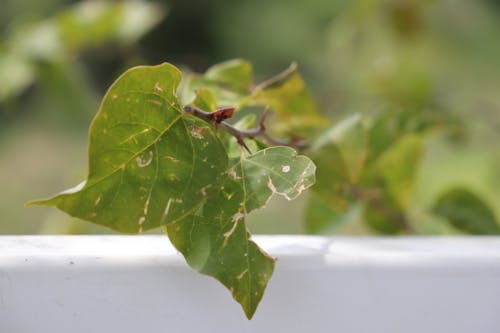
(218, 117)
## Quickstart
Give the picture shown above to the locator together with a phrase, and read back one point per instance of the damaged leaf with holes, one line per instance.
(151, 164)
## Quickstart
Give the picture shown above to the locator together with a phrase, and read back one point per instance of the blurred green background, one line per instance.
(430, 58)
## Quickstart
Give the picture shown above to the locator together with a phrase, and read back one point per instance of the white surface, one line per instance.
(140, 284)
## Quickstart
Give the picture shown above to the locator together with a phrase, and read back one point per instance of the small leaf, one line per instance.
(383, 214)
(235, 74)
(339, 154)
(332, 176)
(321, 218)
(467, 212)
(229, 82)
(389, 127)
(349, 136)
(205, 100)
(398, 167)
(292, 103)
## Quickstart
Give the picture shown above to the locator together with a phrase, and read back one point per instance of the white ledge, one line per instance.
(335, 284)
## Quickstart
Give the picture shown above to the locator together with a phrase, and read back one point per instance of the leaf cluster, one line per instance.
(367, 169)
(154, 162)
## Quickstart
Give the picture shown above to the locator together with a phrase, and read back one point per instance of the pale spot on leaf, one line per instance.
(238, 216)
(155, 102)
(204, 190)
(141, 221)
(231, 173)
(144, 162)
(158, 87)
(173, 177)
(271, 185)
(75, 189)
(146, 206)
(231, 231)
(165, 212)
(240, 276)
(171, 159)
(197, 132)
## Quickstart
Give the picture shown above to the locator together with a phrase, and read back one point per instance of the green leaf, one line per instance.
(235, 74)
(382, 213)
(467, 212)
(151, 164)
(205, 100)
(398, 167)
(143, 153)
(389, 127)
(332, 176)
(381, 185)
(349, 136)
(384, 131)
(214, 239)
(321, 218)
(339, 154)
(229, 82)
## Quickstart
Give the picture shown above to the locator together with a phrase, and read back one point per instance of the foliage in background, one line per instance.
(47, 48)
(425, 71)
(408, 68)
(367, 163)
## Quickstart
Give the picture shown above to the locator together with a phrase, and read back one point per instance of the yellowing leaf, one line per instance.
(285, 94)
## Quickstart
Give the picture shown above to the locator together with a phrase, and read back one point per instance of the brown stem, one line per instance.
(241, 134)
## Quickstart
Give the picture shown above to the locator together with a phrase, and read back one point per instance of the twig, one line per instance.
(217, 119)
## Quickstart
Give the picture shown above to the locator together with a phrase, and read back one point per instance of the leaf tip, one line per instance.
(34, 203)
(39, 202)
(249, 313)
